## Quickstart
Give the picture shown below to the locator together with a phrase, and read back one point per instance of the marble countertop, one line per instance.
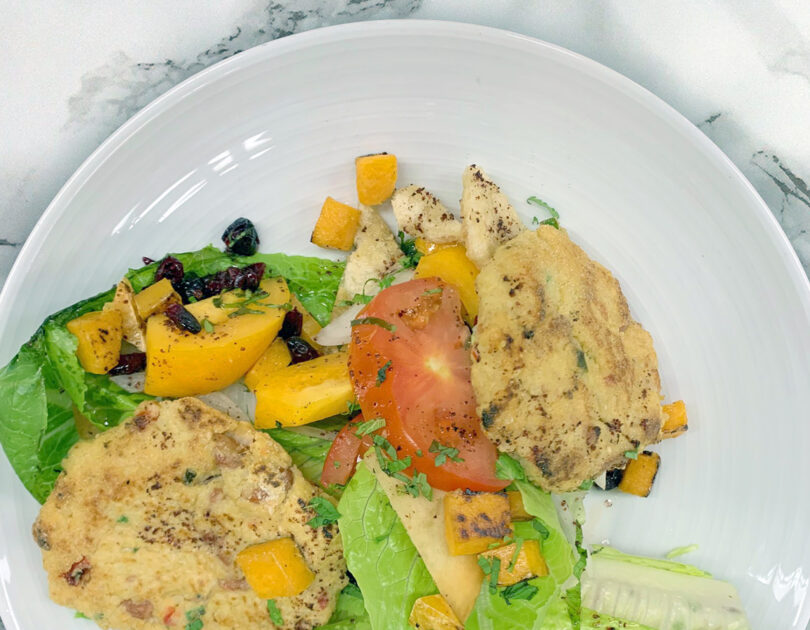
(75, 71)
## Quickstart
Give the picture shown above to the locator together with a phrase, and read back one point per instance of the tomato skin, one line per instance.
(341, 460)
(417, 377)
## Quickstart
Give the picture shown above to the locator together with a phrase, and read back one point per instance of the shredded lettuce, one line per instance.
(379, 553)
(43, 384)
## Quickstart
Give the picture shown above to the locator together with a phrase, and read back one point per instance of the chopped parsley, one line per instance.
(369, 426)
(631, 454)
(194, 618)
(408, 247)
(444, 453)
(586, 485)
(207, 326)
(491, 568)
(541, 528)
(516, 554)
(189, 476)
(274, 612)
(374, 321)
(382, 373)
(80, 615)
(582, 364)
(326, 512)
(352, 407)
(122, 519)
(521, 590)
(433, 291)
(392, 466)
(553, 221)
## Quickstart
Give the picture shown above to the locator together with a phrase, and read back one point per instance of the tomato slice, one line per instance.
(341, 459)
(410, 365)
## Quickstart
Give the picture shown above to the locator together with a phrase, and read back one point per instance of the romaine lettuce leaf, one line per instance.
(350, 613)
(380, 554)
(307, 452)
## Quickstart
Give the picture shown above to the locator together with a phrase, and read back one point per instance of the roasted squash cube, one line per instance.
(640, 473)
(336, 225)
(528, 562)
(452, 265)
(432, 612)
(376, 178)
(475, 520)
(100, 335)
(676, 421)
(305, 392)
(516, 507)
(275, 568)
(155, 297)
(428, 247)
(277, 356)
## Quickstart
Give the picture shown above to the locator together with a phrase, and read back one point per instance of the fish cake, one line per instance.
(564, 378)
(143, 526)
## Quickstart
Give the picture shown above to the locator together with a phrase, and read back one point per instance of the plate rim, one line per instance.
(60, 203)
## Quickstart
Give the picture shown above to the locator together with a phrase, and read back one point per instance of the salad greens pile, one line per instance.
(44, 385)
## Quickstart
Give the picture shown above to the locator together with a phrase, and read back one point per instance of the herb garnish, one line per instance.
(507, 467)
(582, 364)
(274, 612)
(122, 519)
(521, 590)
(374, 321)
(631, 454)
(444, 453)
(326, 512)
(541, 528)
(352, 407)
(518, 547)
(553, 221)
(382, 373)
(392, 466)
(408, 247)
(193, 617)
(188, 476)
(207, 326)
(586, 485)
(433, 291)
(369, 426)
(492, 568)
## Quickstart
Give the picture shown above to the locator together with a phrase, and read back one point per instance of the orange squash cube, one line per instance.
(155, 297)
(640, 474)
(475, 520)
(100, 334)
(376, 177)
(428, 247)
(452, 265)
(277, 356)
(336, 225)
(516, 507)
(528, 562)
(275, 568)
(432, 612)
(676, 422)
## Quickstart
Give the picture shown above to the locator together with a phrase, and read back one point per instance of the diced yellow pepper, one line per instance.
(433, 613)
(475, 520)
(277, 356)
(275, 568)
(336, 225)
(100, 335)
(376, 177)
(640, 473)
(528, 563)
(452, 265)
(428, 247)
(309, 327)
(305, 392)
(154, 297)
(675, 422)
(179, 363)
(516, 507)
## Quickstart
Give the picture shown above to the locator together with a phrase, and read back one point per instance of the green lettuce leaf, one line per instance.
(379, 553)
(307, 452)
(548, 609)
(350, 612)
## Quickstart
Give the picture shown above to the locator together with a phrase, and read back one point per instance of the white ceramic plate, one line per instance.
(269, 133)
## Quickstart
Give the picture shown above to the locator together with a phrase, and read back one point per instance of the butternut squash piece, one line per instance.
(528, 562)
(132, 324)
(100, 334)
(309, 327)
(179, 363)
(452, 265)
(433, 613)
(428, 247)
(640, 473)
(516, 508)
(475, 520)
(305, 392)
(676, 422)
(336, 225)
(155, 297)
(277, 356)
(376, 177)
(275, 568)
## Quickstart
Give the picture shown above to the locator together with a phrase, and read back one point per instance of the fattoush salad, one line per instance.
(398, 439)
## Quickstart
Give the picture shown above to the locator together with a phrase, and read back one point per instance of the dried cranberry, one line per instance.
(190, 288)
(170, 268)
(300, 350)
(129, 364)
(240, 237)
(293, 322)
(249, 279)
(146, 260)
(212, 285)
(181, 318)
